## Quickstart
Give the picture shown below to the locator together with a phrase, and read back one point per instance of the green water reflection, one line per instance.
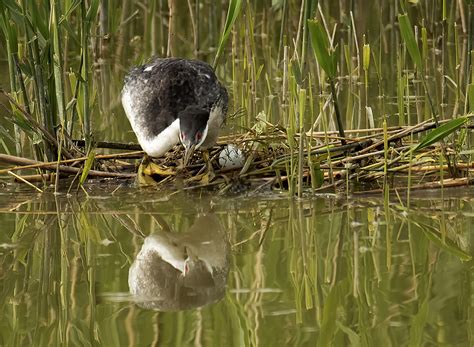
(330, 270)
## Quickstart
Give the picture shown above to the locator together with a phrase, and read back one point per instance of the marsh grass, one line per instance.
(296, 64)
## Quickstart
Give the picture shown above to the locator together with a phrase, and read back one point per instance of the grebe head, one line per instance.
(193, 129)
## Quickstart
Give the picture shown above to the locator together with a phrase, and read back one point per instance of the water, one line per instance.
(261, 271)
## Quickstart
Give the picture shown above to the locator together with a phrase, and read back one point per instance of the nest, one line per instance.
(270, 159)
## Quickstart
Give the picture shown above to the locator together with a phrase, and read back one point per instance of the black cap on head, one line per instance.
(192, 123)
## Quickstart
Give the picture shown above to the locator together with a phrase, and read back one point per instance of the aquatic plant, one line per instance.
(66, 61)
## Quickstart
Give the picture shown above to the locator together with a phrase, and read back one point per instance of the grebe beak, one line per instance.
(188, 153)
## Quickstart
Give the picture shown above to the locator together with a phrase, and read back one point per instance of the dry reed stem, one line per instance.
(22, 179)
(63, 168)
(446, 183)
(67, 161)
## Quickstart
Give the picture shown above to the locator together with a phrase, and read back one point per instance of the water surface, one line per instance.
(332, 270)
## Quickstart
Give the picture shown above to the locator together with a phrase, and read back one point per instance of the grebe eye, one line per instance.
(198, 136)
(183, 137)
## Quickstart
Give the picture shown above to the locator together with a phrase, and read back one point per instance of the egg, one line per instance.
(231, 157)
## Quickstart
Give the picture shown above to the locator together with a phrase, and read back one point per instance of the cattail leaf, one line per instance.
(441, 132)
(321, 47)
(408, 36)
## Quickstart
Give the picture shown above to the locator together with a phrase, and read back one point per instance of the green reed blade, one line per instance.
(38, 19)
(86, 126)
(73, 5)
(87, 167)
(353, 336)
(408, 36)
(329, 315)
(22, 123)
(441, 132)
(470, 97)
(327, 59)
(447, 244)
(11, 38)
(232, 14)
(295, 69)
(322, 49)
(92, 13)
(71, 32)
(417, 326)
(309, 10)
(317, 176)
(58, 63)
(14, 10)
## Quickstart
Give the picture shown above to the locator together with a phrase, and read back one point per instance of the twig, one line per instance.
(447, 183)
(371, 130)
(101, 156)
(42, 177)
(110, 145)
(342, 148)
(434, 168)
(405, 132)
(62, 168)
(361, 156)
(24, 181)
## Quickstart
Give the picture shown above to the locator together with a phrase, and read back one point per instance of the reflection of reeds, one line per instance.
(320, 263)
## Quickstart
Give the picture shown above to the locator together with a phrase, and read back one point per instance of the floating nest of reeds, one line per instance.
(267, 159)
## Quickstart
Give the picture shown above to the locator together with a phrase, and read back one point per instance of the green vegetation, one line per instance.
(372, 95)
(323, 112)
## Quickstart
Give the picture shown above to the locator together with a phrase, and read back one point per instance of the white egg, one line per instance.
(231, 158)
